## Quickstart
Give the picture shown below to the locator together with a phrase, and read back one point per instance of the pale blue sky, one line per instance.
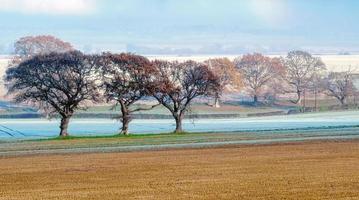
(187, 26)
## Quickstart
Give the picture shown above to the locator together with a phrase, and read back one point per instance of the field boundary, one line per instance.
(159, 147)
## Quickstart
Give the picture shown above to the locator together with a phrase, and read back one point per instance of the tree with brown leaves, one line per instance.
(126, 79)
(57, 83)
(228, 76)
(179, 83)
(257, 72)
(43, 44)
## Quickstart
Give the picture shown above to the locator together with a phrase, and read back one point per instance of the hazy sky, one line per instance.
(186, 26)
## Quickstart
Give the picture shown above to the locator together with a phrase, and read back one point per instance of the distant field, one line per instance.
(333, 62)
(195, 109)
(306, 171)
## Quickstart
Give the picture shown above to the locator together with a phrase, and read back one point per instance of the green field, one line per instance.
(164, 141)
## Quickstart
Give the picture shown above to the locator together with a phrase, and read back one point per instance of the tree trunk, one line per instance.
(178, 119)
(65, 120)
(315, 100)
(354, 100)
(342, 102)
(125, 124)
(304, 101)
(216, 102)
(299, 97)
(255, 99)
(299, 93)
(125, 119)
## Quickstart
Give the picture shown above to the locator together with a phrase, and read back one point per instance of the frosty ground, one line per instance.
(42, 128)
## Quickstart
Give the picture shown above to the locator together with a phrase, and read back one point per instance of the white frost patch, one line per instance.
(45, 128)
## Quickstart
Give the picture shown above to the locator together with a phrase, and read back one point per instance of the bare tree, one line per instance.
(42, 44)
(300, 67)
(126, 79)
(228, 75)
(316, 86)
(339, 85)
(57, 83)
(258, 71)
(180, 83)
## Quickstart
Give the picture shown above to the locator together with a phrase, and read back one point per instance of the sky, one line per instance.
(185, 27)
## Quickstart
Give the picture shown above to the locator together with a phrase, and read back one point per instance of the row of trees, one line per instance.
(50, 74)
(61, 83)
(297, 74)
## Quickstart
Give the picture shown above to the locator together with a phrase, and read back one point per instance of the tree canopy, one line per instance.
(42, 44)
(258, 71)
(228, 75)
(179, 83)
(57, 83)
(127, 78)
(300, 67)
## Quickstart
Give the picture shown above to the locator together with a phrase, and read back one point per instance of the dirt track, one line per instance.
(315, 170)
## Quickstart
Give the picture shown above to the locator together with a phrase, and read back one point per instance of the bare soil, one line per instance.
(313, 170)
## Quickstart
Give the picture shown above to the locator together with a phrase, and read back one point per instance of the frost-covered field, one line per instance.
(45, 128)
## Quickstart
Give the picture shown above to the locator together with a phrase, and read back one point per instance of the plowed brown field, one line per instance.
(314, 170)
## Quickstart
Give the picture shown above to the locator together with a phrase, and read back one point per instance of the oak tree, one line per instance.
(339, 85)
(57, 83)
(257, 72)
(126, 79)
(228, 76)
(300, 68)
(179, 83)
(43, 44)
